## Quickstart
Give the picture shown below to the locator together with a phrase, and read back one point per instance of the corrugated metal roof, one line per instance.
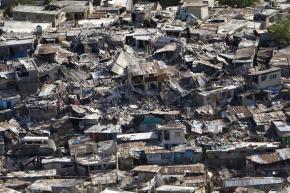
(146, 68)
(239, 112)
(251, 181)
(147, 168)
(171, 188)
(182, 169)
(137, 136)
(264, 118)
(269, 158)
(104, 129)
(104, 178)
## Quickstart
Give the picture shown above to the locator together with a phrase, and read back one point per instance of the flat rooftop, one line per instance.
(28, 63)
(23, 26)
(268, 12)
(35, 9)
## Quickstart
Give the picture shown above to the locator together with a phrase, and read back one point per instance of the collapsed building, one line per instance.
(128, 96)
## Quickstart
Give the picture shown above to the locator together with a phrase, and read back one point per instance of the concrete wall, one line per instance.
(6, 84)
(182, 157)
(268, 80)
(60, 169)
(200, 12)
(176, 137)
(39, 17)
(216, 99)
(9, 103)
(7, 52)
(158, 158)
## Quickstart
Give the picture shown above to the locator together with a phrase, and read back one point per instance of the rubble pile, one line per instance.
(128, 96)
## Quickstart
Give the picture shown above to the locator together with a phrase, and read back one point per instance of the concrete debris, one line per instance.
(121, 96)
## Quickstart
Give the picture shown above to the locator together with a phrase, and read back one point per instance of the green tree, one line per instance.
(237, 3)
(281, 32)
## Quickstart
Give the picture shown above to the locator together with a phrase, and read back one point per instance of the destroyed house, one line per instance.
(128, 159)
(265, 78)
(7, 76)
(146, 172)
(216, 97)
(141, 38)
(244, 59)
(146, 77)
(269, 164)
(9, 99)
(204, 66)
(267, 16)
(64, 166)
(90, 156)
(232, 26)
(93, 162)
(252, 97)
(142, 12)
(6, 66)
(170, 135)
(47, 52)
(41, 109)
(169, 53)
(34, 146)
(81, 145)
(26, 76)
(106, 178)
(283, 6)
(180, 88)
(38, 14)
(49, 72)
(124, 59)
(236, 113)
(280, 60)
(15, 48)
(235, 156)
(103, 132)
(175, 30)
(7, 84)
(2, 140)
(74, 10)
